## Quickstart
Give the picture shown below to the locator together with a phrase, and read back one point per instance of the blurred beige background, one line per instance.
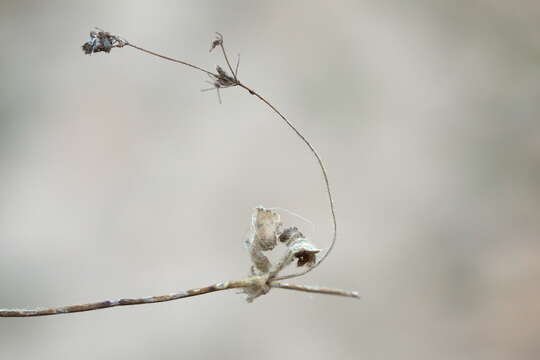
(119, 178)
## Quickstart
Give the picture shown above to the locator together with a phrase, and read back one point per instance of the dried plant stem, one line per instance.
(121, 302)
(325, 177)
(226, 285)
(291, 125)
(169, 58)
(313, 151)
(316, 289)
(228, 63)
(253, 286)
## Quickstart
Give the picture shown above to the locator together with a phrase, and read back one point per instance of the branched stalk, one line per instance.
(266, 224)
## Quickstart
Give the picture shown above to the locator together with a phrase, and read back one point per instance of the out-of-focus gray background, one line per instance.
(119, 178)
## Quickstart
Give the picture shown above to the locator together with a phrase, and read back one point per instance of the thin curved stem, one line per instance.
(227, 60)
(290, 124)
(325, 177)
(170, 59)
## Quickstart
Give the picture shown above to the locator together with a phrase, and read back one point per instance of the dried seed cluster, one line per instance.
(102, 41)
(266, 230)
(223, 79)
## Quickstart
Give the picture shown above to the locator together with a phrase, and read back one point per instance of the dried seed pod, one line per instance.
(304, 251)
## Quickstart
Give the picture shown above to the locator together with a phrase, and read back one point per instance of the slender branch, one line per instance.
(325, 176)
(170, 59)
(226, 285)
(316, 289)
(236, 68)
(252, 282)
(227, 60)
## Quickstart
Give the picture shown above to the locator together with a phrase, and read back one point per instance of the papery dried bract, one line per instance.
(265, 229)
(259, 260)
(267, 226)
(290, 234)
(304, 251)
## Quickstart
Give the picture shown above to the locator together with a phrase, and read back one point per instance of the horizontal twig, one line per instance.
(316, 289)
(225, 285)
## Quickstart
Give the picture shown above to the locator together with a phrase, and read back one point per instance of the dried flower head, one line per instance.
(304, 251)
(223, 79)
(266, 229)
(102, 41)
(306, 257)
(217, 42)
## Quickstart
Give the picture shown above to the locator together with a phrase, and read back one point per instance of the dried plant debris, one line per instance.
(223, 79)
(266, 226)
(266, 229)
(102, 41)
(263, 235)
